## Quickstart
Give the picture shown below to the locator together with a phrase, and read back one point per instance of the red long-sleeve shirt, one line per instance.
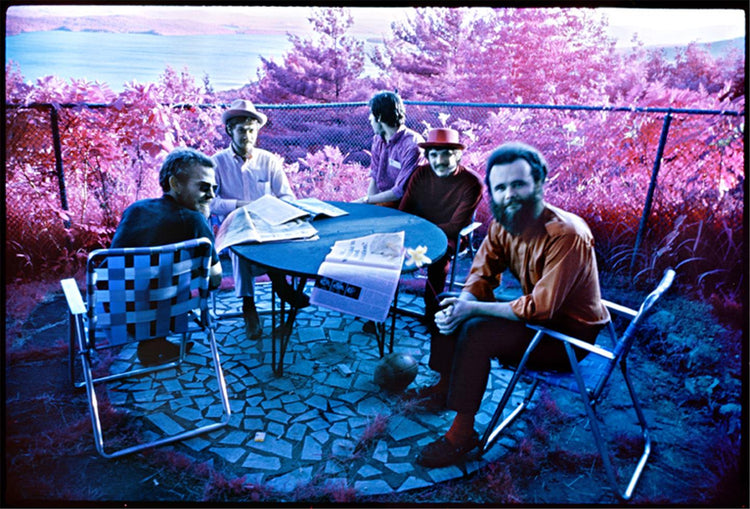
(448, 202)
(555, 264)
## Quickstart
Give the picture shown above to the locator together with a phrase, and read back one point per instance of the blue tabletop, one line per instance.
(303, 257)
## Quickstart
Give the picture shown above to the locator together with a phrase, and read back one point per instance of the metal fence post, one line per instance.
(651, 187)
(58, 161)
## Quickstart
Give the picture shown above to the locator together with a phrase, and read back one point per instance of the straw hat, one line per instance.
(243, 108)
(442, 138)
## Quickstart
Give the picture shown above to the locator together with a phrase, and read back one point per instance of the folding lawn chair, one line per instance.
(467, 235)
(135, 294)
(589, 377)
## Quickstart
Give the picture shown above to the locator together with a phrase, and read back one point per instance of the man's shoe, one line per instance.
(152, 352)
(253, 328)
(442, 452)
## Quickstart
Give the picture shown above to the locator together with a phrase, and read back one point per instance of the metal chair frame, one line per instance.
(467, 233)
(135, 294)
(230, 314)
(589, 378)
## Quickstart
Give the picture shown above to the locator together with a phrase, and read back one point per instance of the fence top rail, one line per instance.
(632, 109)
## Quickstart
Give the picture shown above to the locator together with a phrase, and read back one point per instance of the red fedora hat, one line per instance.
(243, 108)
(442, 137)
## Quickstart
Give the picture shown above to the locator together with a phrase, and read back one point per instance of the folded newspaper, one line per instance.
(360, 276)
(243, 226)
(275, 211)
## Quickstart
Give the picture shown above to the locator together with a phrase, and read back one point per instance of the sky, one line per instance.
(655, 27)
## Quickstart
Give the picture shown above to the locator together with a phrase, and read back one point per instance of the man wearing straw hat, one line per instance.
(244, 173)
(445, 193)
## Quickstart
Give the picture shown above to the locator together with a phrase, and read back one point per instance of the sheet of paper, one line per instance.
(237, 228)
(360, 275)
(275, 211)
(366, 293)
(318, 207)
(242, 226)
(376, 250)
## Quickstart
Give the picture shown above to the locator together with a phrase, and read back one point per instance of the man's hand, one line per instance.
(455, 310)
(214, 276)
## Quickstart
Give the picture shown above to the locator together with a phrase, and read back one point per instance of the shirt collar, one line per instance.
(397, 135)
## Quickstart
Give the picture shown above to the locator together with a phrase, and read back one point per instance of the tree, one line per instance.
(499, 55)
(424, 57)
(326, 67)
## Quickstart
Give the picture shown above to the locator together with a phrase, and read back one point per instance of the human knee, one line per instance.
(472, 334)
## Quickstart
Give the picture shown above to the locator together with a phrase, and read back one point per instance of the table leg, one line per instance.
(380, 337)
(284, 331)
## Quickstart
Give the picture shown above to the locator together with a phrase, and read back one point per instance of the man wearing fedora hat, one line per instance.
(445, 193)
(395, 153)
(244, 173)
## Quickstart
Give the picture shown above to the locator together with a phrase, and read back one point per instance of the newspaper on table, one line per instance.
(360, 276)
(276, 211)
(243, 226)
(317, 208)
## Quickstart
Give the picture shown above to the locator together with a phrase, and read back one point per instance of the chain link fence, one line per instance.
(658, 186)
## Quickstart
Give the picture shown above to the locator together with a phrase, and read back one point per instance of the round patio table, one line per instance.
(302, 258)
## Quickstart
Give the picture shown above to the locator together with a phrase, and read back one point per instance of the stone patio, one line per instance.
(311, 424)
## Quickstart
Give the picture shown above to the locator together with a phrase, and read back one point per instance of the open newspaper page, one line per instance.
(316, 207)
(242, 226)
(275, 211)
(376, 250)
(360, 276)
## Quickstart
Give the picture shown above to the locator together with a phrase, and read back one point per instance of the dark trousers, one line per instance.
(465, 355)
(437, 272)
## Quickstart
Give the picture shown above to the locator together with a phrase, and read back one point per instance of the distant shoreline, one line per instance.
(17, 25)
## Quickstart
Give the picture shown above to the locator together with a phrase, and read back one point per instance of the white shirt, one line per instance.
(238, 179)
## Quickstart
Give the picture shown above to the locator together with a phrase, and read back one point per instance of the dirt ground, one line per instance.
(693, 398)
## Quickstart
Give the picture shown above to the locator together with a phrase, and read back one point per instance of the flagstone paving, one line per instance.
(309, 425)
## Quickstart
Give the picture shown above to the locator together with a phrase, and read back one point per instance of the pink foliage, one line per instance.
(326, 175)
(113, 144)
(324, 68)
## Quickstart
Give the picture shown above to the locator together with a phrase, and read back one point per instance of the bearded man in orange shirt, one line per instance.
(551, 253)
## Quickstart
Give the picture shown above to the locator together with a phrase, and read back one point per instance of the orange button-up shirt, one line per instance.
(555, 264)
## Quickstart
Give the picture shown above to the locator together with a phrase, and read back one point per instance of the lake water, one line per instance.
(230, 60)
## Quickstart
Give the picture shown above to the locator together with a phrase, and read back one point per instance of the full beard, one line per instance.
(204, 208)
(244, 149)
(515, 221)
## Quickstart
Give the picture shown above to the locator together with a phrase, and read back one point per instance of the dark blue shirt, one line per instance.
(160, 221)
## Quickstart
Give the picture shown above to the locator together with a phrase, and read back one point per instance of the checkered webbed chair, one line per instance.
(135, 294)
(588, 377)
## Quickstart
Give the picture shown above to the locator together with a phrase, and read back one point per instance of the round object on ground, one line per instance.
(395, 371)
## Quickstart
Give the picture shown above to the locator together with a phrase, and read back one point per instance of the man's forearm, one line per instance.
(494, 309)
(385, 196)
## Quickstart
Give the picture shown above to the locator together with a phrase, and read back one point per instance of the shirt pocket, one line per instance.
(262, 187)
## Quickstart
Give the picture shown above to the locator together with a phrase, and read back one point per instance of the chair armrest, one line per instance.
(466, 230)
(574, 341)
(622, 310)
(445, 295)
(73, 296)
